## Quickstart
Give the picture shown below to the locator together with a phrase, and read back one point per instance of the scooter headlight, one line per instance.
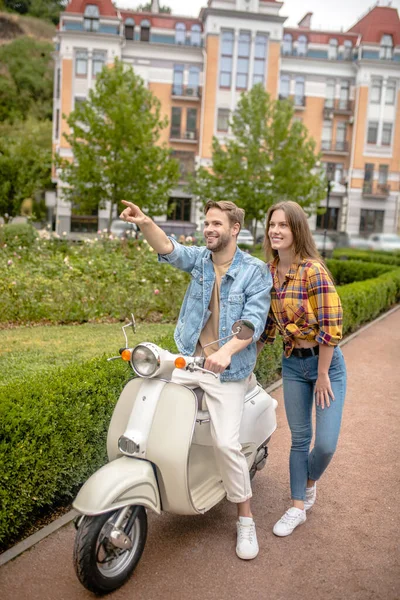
(145, 360)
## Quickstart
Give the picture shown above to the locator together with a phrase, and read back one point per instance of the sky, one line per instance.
(327, 14)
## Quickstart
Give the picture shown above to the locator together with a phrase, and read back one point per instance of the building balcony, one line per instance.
(328, 147)
(189, 92)
(375, 190)
(191, 136)
(299, 102)
(337, 106)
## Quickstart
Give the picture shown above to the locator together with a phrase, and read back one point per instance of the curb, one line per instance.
(34, 539)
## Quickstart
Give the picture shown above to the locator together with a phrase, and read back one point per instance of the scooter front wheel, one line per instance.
(100, 565)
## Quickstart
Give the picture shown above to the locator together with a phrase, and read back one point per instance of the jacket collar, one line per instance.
(235, 265)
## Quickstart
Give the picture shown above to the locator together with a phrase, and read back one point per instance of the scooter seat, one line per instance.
(202, 412)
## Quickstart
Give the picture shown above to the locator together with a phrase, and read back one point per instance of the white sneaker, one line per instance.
(247, 545)
(311, 496)
(290, 520)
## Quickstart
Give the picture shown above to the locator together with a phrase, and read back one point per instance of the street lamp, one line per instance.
(326, 220)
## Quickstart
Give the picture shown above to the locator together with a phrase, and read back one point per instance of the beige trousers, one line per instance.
(225, 403)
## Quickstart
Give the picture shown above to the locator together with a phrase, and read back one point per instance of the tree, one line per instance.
(26, 79)
(115, 142)
(268, 158)
(147, 8)
(25, 163)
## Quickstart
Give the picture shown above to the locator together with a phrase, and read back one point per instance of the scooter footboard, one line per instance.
(122, 482)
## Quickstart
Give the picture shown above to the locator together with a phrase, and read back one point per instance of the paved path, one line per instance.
(347, 549)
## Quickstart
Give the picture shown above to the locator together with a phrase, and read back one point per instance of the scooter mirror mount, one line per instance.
(131, 323)
(243, 329)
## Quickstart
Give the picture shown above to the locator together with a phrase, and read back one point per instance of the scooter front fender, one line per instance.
(122, 482)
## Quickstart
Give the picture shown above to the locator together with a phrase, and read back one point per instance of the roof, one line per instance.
(160, 20)
(379, 21)
(321, 37)
(106, 7)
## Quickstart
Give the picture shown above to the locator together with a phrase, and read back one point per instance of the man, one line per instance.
(227, 285)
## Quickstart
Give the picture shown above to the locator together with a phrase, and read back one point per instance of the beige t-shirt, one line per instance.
(210, 331)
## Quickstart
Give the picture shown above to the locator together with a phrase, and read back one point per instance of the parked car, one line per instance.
(328, 245)
(384, 241)
(245, 238)
(351, 240)
(123, 229)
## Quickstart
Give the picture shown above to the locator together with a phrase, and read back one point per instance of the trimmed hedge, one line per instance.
(348, 271)
(374, 256)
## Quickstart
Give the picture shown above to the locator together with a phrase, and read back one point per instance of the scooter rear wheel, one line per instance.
(100, 566)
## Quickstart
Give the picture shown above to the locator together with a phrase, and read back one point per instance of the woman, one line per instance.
(306, 310)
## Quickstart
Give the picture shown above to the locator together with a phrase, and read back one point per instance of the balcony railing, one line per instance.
(338, 106)
(298, 101)
(380, 190)
(184, 136)
(328, 146)
(186, 91)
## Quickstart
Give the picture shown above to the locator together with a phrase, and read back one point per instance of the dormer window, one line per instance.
(386, 47)
(195, 35)
(145, 30)
(302, 46)
(333, 49)
(348, 49)
(129, 29)
(91, 17)
(180, 33)
(287, 44)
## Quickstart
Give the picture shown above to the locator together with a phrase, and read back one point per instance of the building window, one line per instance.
(129, 29)
(284, 86)
(91, 18)
(78, 101)
(57, 125)
(193, 82)
(368, 177)
(387, 134)
(58, 83)
(260, 55)
(329, 220)
(326, 135)
(386, 50)
(372, 134)
(176, 122)
(344, 95)
(145, 30)
(302, 46)
(81, 63)
(225, 77)
(99, 60)
(330, 94)
(376, 91)
(178, 209)
(333, 49)
(287, 47)
(299, 96)
(383, 174)
(242, 72)
(223, 119)
(341, 137)
(371, 221)
(195, 35)
(191, 123)
(348, 50)
(180, 33)
(177, 87)
(390, 92)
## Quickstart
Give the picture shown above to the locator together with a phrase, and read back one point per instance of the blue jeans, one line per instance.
(299, 377)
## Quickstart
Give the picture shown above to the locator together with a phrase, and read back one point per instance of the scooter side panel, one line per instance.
(122, 482)
(120, 417)
(168, 446)
(259, 419)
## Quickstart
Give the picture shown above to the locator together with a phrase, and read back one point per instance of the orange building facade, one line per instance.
(345, 88)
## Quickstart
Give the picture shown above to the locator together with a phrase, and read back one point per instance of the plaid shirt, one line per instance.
(306, 307)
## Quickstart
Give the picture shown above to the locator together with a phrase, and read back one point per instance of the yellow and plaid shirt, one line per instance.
(306, 307)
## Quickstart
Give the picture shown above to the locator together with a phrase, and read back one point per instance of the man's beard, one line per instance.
(220, 243)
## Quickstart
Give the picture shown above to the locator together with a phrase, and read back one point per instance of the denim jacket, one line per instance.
(244, 294)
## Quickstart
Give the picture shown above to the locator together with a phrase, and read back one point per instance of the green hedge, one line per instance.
(348, 271)
(387, 258)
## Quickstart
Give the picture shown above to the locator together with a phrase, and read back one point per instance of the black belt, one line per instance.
(305, 352)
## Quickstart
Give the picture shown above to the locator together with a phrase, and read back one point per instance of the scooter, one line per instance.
(161, 458)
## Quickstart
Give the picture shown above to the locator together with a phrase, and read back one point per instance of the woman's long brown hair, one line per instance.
(304, 245)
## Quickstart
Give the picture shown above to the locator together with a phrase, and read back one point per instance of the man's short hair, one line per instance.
(235, 214)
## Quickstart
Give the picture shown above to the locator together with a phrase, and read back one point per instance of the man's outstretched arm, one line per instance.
(155, 236)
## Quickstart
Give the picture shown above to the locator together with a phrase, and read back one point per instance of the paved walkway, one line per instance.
(347, 549)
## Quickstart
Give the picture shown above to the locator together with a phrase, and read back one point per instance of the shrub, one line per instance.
(387, 258)
(348, 271)
(16, 236)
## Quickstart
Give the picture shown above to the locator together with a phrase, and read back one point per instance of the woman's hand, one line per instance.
(323, 390)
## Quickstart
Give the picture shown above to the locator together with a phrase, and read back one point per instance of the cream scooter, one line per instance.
(161, 458)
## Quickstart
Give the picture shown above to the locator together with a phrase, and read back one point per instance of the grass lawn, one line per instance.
(28, 350)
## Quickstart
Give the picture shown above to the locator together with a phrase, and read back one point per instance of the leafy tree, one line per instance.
(114, 137)
(25, 163)
(147, 8)
(43, 9)
(26, 79)
(268, 158)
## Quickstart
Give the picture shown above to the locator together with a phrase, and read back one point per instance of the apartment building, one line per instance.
(345, 87)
